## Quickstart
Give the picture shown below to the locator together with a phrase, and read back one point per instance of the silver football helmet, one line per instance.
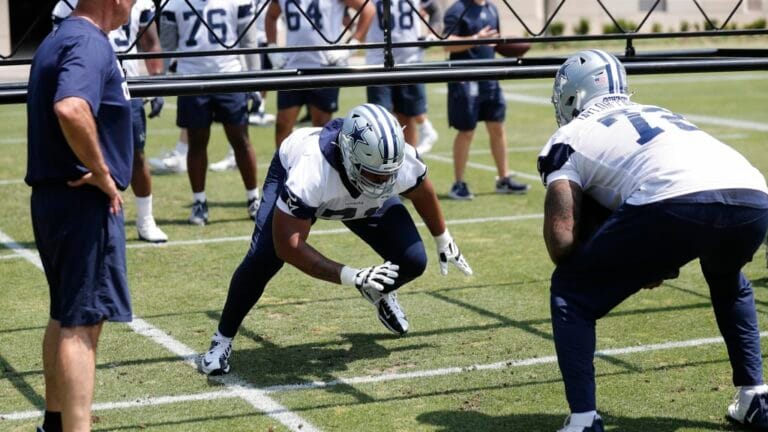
(584, 77)
(372, 149)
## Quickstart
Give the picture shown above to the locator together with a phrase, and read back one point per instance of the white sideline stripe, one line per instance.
(697, 118)
(480, 166)
(12, 181)
(20, 251)
(34, 255)
(369, 379)
(255, 397)
(137, 403)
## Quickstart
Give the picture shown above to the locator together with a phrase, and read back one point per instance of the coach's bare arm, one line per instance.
(290, 238)
(79, 128)
(561, 215)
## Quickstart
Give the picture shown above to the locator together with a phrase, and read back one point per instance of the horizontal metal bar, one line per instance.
(304, 80)
(425, 44)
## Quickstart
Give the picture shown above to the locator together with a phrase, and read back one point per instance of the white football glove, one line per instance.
(448, 252)
(370, 277)
(277, 59)
(340, 57)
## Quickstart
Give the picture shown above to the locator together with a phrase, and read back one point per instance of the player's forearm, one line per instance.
(307, 259)
(427, 205)
(459, 48)
(150, 42)
(79, 129)
(560, 221)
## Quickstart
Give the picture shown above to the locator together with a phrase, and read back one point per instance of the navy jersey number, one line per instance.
(293, 16)
(644, 130)
(216, 21)
(405, 19)
(120, 42)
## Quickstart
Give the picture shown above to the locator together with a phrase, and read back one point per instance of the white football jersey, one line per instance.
(639, 154)
(406, 27)
(226, 18)
(315, 179)
(327, 16)
(142, 14)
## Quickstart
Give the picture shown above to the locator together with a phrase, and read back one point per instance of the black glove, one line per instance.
(155, 106)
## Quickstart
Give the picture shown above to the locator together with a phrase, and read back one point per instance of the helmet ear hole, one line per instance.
(570, 101)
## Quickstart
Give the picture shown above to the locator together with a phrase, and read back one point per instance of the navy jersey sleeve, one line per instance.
(451, 19)
(83, 71)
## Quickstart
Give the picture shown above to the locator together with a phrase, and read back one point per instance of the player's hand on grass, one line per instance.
(376, 277)
(448, 252)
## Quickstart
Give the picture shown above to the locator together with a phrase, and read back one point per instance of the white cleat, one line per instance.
(169, 162)
(149, 231)
(216, 360)
(228, 163)
(388, 309)
(261, 119)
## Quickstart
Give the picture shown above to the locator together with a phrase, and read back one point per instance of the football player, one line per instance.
(473, 101)
(653, 170)
(141, 20)
(212, 25)
(351, 170)
(408, 102)
(327, 20)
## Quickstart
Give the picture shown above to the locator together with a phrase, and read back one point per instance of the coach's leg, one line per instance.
(76, 372)
(52, 392)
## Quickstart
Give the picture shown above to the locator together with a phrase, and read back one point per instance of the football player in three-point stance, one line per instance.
(186, 29)
(351, 170)
(654, 171)
(140, 20)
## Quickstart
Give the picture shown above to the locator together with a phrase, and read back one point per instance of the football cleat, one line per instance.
(199, 214)
(750, 409)
(261, 119)
(460, 191)
(388, 308)
(506, 185)
(228, 163)
(216, 360)
(149, 231)
(596, 426)
(253, 207)
(170, 162)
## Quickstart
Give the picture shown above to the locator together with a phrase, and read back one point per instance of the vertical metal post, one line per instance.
(386, 22)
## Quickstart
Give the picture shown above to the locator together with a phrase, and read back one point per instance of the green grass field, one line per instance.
(313, 357)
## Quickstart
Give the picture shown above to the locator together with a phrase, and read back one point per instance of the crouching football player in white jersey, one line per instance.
(654, 171)
(351, 170)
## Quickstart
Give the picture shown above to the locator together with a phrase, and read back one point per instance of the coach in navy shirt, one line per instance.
(80, 152)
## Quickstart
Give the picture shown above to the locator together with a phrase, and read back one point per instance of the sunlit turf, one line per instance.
(305, 330)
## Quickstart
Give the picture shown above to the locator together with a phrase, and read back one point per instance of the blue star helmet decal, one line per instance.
(357, 135)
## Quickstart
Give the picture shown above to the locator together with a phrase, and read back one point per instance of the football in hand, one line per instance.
(513, 49)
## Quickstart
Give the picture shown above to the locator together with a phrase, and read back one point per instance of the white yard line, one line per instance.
(696, 118)
(255, 397)
(648, 80)
(484, 167)
(332, 231)
(373, 379)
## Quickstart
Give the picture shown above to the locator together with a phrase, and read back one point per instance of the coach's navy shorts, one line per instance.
(473, 101)
(409, 100)
(326, 99)
(139, 123)
(201, 111)
(82, 248)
